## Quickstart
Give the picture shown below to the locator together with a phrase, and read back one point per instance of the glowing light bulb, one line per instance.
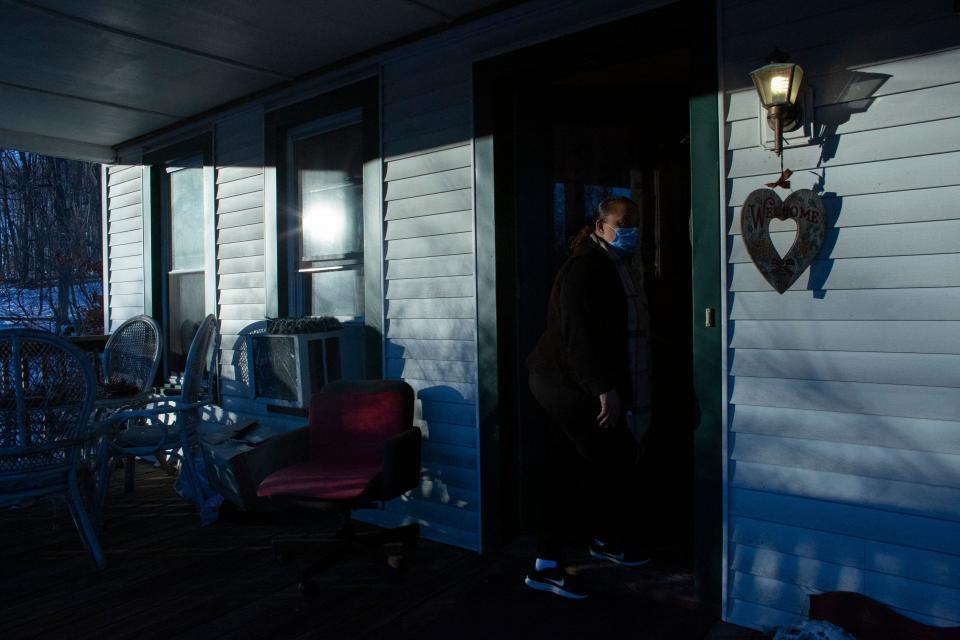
(779, 84)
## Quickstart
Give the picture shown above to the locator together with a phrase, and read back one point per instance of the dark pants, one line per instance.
(587, 473)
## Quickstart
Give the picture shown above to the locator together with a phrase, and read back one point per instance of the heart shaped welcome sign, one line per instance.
(806, 209)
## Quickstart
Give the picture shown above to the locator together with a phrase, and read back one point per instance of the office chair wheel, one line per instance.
(307, 587)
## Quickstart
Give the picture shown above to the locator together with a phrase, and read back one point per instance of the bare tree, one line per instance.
(50, 239)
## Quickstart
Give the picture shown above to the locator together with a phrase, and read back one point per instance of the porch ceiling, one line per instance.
(77, 78)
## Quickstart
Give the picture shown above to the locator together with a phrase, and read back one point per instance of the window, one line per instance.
(323, 228)
(179, 244)
(185, 259)
(325, 185)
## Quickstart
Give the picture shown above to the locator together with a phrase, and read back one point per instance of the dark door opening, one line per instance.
(603, 112)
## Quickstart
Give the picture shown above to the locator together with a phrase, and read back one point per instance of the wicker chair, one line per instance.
(132, 354)
(47, 389)
(167, 426)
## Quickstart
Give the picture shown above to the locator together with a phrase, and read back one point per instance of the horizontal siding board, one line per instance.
(240, 202)
(453, 476)
(445, 160)
(442, 245)
(126, 250)
(917, 564)
(433, 225)
(922, 139)
(431, 308)
(920, 205)
(443, 287)
(882, 336)
(415, 123)
(757, 616)
(118, 174)
(246, 249)
(242, 296)
(456, 265)
(130, 211)
(126, 275)
(230, 174)
(453, 371)
(449, 392)
(453, 434)
(126, 300)
(126, 237)
(122, 188)
(240, 218)
(240, 234)
(431, 349)
(852, 520)
(455, 91)
(879, 494)
(897, 272)
(803, 542)
(939, 469)
(883, 176)
(252, 311)
(935, 403)
(125, 224)
(127, 262)
(126, 287)
(234, 188)
(767, 591)
(241, 281)
(447, 202)
(125, 200)
(814, 575)
(912, 595)
(935, 370)
(433, 140)
(439, 182)
(851, 304)
(253, 264)
(239, 327)
(883, 240)
(450, 455)
(909, 434)
(437, 329)
(452, 412)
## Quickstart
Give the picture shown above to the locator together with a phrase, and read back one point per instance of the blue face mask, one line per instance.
(626, 242)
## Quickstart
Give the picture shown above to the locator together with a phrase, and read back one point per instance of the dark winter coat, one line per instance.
(585, 342)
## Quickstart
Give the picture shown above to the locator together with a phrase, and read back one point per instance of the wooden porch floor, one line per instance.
(168, 577)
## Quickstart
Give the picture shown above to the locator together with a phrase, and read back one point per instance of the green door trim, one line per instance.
(705, 208)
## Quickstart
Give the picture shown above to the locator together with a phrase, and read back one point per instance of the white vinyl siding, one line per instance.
(844, 440)
(123, 297)
(240, 251)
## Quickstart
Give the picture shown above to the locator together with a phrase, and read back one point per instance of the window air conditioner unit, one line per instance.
(289, 368)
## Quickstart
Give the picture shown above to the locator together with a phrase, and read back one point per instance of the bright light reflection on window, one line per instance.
(325, 226)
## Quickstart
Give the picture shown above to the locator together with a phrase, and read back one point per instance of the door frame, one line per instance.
(495, 250)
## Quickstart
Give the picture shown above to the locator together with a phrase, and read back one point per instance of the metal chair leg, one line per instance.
(82, 520)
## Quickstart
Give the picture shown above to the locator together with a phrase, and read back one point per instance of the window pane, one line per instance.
(337, 293)
(186, 313)
(186, 218)
(330, 186)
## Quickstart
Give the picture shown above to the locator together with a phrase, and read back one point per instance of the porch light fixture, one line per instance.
(778, 85)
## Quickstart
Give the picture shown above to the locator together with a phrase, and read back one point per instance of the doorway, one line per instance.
(560, 126)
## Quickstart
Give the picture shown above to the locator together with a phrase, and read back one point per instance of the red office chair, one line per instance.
(359, 448)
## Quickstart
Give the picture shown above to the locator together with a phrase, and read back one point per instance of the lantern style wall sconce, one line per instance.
(778, 86)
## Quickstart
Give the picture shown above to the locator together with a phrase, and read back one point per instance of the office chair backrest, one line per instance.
(351, 420)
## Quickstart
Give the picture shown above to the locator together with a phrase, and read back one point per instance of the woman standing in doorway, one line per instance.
(589, 373)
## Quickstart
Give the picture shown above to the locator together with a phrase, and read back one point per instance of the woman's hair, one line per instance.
(604, 209)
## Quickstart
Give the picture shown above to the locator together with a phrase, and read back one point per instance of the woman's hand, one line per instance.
(609, 409)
